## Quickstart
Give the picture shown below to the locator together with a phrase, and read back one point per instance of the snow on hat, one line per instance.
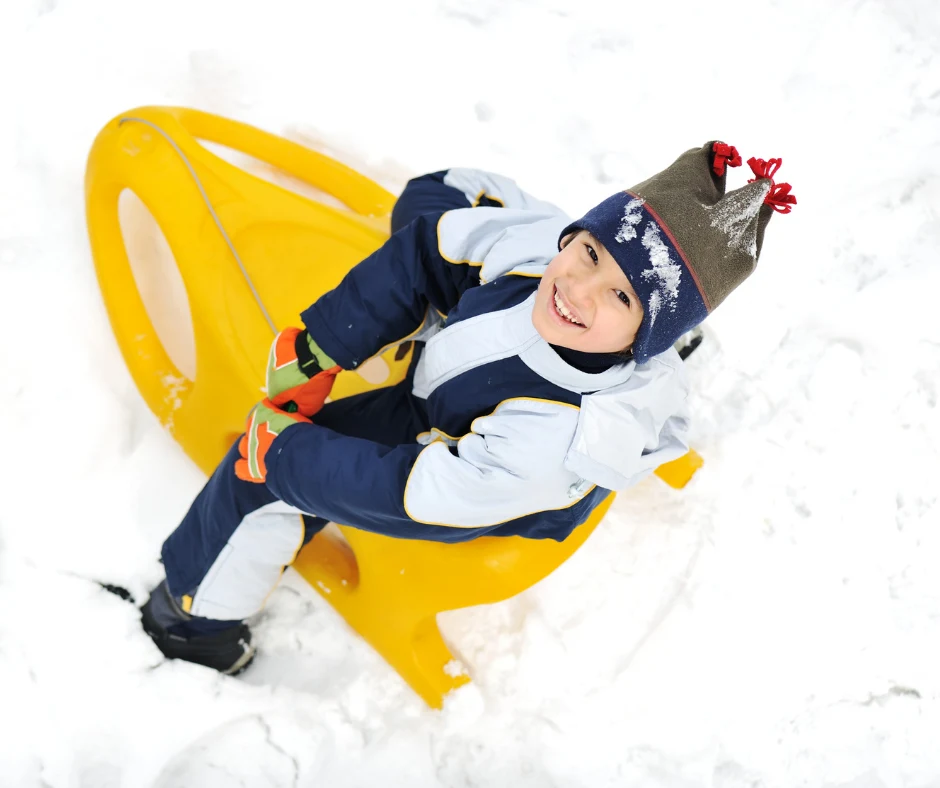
(683, 243)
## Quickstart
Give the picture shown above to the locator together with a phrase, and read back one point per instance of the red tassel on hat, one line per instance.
(725, 156)
(779, 197)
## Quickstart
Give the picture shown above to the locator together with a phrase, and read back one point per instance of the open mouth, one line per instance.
(562, 312)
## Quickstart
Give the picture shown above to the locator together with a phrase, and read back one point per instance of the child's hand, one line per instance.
(265, 422)
(299, 380)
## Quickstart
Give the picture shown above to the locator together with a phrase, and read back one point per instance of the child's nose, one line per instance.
(588, 287)
(583, 294)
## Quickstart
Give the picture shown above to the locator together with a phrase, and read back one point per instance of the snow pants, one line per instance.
(233, 545)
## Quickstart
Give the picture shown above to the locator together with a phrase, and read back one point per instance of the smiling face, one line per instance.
(585, 301)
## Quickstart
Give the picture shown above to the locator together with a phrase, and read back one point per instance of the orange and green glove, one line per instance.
(265, 422)
(299, 372)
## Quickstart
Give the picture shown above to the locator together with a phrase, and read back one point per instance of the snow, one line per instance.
(632, 216)
(734, 216)
(776, 623)
(665, 273)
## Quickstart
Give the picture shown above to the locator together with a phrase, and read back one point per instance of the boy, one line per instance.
(543, 376)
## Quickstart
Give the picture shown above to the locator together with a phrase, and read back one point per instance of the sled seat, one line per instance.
(236, 238)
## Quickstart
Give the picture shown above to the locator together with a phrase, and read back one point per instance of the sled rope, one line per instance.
(215, 216)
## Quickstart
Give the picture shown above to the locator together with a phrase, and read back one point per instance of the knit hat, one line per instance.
(683, 243)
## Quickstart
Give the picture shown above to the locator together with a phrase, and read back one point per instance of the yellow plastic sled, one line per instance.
(236, 238)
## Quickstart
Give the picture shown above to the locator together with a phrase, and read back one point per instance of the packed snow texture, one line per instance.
(665, 273)
(776, 623)
(734, 215)
(632, 216)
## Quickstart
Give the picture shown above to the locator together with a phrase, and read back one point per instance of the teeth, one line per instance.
(563, 311)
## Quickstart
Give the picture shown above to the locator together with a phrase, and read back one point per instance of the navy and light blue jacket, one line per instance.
(493, 431)
(508, 437)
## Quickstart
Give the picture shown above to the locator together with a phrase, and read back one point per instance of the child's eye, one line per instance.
(591, 252)
(623, 297)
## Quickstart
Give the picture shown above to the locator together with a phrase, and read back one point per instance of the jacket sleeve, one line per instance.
(389, 295)
(626, 432)
(424, 268)
(509, 466)
(482, 188)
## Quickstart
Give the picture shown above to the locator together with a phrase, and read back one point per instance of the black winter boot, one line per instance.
(222, 645)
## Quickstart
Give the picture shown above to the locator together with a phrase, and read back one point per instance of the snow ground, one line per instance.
(777, 623)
